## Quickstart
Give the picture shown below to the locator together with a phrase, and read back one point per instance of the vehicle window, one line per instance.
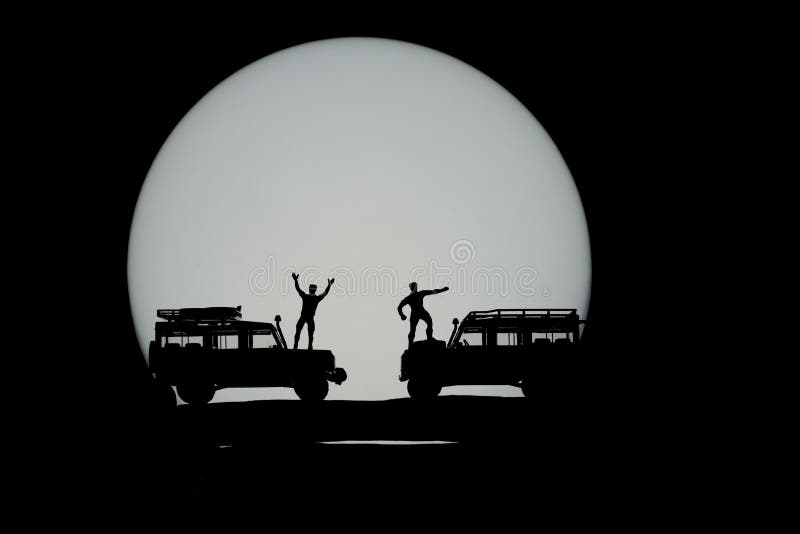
(473, 337)
(506, 336)
(263, 340)
(181, 340)
(226, 341)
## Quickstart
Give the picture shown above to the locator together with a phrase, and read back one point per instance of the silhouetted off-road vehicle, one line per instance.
(201, 350)
(497, 347)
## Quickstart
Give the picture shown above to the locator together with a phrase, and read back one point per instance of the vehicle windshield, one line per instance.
(262, 339)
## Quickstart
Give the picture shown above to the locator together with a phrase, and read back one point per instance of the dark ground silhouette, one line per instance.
(246, 445)
(576, 427)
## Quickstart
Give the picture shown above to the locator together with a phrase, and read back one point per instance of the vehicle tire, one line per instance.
(153, 357)
(423, 389)
(196, 393)
(528, 388)
(311, 388)
(164, 395)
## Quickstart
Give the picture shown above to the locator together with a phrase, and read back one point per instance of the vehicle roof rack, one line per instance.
(218, 314)
(525, 313)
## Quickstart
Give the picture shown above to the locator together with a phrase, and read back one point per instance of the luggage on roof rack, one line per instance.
(214, 314)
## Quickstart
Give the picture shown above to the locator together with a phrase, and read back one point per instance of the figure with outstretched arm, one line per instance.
(414, 301)
(310, 301)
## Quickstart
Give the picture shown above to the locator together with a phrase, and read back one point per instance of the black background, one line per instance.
(605, 94)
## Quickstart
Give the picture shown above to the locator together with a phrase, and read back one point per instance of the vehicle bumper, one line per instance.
(337, 376)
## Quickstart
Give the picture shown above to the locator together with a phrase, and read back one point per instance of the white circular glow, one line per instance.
(371, 160)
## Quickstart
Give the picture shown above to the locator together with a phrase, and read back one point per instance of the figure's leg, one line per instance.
(425, 316)
(412, 323)
(310, 333)
(297, 331)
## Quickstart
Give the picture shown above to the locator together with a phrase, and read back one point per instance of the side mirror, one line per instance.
(455, 320)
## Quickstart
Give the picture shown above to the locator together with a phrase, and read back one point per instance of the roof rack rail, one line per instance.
(217, 314)
(523, 313)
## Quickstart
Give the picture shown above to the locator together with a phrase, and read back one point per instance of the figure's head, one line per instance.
(312, 288)
(413, 287)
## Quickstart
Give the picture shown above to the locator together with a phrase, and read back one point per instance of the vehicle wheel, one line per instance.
(423, 389)
(528, 388)
(164, 395)
(196, 393)
(311, 388)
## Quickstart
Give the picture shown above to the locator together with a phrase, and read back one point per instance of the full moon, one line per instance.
(371, 161)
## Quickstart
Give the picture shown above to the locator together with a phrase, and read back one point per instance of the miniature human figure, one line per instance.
(310, 301)
(414, 301)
